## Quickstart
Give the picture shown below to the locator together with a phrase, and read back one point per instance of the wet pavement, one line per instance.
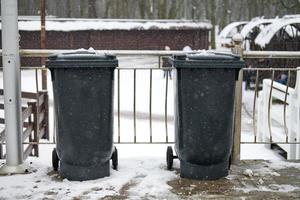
(247, 180)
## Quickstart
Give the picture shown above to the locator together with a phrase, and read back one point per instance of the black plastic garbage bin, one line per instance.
(83, 84)
(204, 111)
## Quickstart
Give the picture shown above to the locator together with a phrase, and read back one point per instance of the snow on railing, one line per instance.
(289, 138)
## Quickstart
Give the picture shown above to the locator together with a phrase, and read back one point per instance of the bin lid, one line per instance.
(81, 58)
(206, 59)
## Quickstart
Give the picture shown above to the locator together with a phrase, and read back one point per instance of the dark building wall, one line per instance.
(114, 40)
(148, 39)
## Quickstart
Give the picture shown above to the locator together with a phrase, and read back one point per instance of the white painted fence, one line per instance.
(288, 136)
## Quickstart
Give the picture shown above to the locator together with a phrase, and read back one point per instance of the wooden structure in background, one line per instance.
(35, 122)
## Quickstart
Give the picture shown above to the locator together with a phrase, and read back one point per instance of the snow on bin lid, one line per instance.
(82, 54)
(209, 59)
(211, 55)
(82, 58)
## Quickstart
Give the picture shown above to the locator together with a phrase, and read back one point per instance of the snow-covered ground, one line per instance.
(142, 169)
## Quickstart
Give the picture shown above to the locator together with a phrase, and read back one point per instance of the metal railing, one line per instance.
(271, 126)
(148, 114)
(150, 118)
(286, 134)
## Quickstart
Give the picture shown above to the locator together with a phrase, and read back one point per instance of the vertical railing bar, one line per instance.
(54, 123)
(119, 121)
(134, 104)
(150, 106)
(269, 107)
(254, 105)
(159, 60)
(37, 106)
(166, 108)
(284, 107)
(30, 136)
(36, 82)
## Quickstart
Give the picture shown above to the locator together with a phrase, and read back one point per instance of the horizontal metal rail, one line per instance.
(246, 54)
(270, 69)
(272, 54)
(46, 52)
(273, 142)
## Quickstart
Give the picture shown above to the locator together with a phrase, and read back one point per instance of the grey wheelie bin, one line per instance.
(83, 84)
(204, 112)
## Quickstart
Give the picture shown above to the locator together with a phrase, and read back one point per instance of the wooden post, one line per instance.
(43, 41)
(45, 109)
(30, 136)
(237, 49)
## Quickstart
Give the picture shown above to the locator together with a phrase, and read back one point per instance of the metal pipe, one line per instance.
(12, 87)
(150, 106)
(269, 142)
(159, 60)
(269, 106)
(134, 104)
(254, 105)
(166, 106)
(271, 54)
(119, 121)
(284, 107)
(246, 54)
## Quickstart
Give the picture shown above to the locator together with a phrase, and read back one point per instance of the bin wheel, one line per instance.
(170, 158)
(55, 160)
(114, 159)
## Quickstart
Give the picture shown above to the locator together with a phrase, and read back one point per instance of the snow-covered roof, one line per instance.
(60, 24)
(226, 32)
(265, 36)
(290, 16)
(256, 22)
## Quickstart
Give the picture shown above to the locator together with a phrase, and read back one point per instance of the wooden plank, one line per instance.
(26, 113)
(27, 132)
(26, 124)
(2, 136)
(42, 132)
(41, 99)
(41, 117)
(26, 95)
(2, 107)
(29, 95)
(27, 151)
